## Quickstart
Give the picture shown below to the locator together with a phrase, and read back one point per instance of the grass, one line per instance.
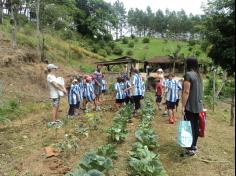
(159, 47)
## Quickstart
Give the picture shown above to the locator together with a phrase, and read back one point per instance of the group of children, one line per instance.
(81, 90)
(124, 92)
(169, 89)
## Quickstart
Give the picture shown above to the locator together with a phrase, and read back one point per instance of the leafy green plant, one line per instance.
(117, 50)
(147, 137)
(108, 151)
(144, 162)
(129, 52)
(69, 143)
(82, 130)
(93, 161)
(117, 133)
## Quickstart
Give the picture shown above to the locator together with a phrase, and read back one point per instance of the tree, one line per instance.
(1, 11)
(221, 38)
(120, 13)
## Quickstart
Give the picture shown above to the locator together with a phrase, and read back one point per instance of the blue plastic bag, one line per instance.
(185, 137)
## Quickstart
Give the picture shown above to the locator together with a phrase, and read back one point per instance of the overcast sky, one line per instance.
(189, 6)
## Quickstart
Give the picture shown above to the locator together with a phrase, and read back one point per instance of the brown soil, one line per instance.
(21, 141)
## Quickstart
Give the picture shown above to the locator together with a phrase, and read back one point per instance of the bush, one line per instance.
(108, 50)
(131, 44)
(136, 40)
(112, 44)
(102, 43)
(96, 48)
(125, 40)
(129, 52)
(133, 36)
(117, 50)
(146, 40)
(102, 52)
(192, 42)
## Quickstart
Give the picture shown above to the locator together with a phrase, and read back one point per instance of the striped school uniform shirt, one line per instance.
(164, 84)
(89, 91)
(104, 84)
(136, 81)
(72, 95)
(79, 90)
(173, 87)
(119, 87)
(143, 87)
(127, 85)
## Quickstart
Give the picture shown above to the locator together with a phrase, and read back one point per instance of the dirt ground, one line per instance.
(22, 141)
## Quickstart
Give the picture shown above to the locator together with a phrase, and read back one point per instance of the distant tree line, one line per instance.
(97, 18)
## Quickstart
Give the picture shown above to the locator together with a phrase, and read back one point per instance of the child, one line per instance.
(143, 87)
(89, 95)
(72, 98)
(120, 94)
(164, 85)
(179, 92)
(172, 96)
(104, 86)
(79, 89)
(158, 93)
(127, 84)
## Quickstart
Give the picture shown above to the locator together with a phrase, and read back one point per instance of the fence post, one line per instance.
(214, 87)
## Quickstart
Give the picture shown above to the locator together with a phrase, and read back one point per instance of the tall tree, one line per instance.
(221, 37)
(1, 11)
(120, 13)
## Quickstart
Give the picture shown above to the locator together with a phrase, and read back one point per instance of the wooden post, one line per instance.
(232, 110)
(214, 88)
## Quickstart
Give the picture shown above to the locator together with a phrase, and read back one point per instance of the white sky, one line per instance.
(189, 6)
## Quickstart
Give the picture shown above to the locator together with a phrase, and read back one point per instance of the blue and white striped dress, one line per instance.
(72, 95)
(136, 81)
(119, 87)
(173, 87)
(89, 91)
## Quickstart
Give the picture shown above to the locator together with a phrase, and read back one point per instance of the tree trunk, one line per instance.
(232, 109)
(38, 29)
(13, 22)
(1, 11)
(117, 33)
(173, 67)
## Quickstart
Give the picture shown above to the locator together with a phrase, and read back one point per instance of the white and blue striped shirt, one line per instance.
(72, 95)
(89, 91)
(104, 83)
(143, 87)
(119, 87)
(136, 81)
(173, 87)
(127, 85)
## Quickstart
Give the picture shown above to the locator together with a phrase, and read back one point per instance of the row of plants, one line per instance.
(142, 159)
(99, 162)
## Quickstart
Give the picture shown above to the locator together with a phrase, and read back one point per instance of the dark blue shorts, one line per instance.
(170, 105)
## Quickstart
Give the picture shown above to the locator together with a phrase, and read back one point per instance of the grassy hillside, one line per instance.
(160, 47)
(58, 48)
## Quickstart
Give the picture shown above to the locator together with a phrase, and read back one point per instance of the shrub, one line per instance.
(96, 48)
(146, 40)
(132, 36)
(102, 52)
(192, 42)
(136, 40)
(129, 52)
(125, 40)
(102, 43)
(117, 50)
(131, 44)
(108, 50)
(112, 44)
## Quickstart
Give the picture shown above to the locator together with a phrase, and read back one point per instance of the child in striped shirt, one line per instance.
(72, 98)
(89, 95)
(104, 87)
(172, 95)
(120, 94)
